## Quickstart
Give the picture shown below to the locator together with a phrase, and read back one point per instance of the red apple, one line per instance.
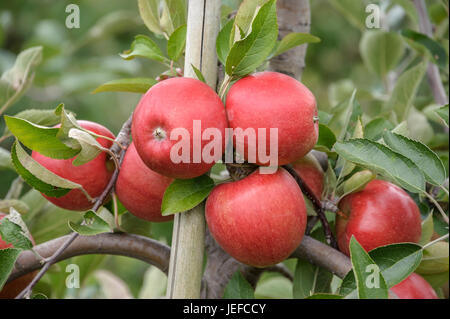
(380, 214)
(140, 189)
(274, 100)
(93, 176)
(13, 288)
(258, 220)
(414, 287)
(168, 108)
(310, 171)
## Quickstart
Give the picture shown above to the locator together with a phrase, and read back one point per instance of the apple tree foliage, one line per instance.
(391, 127)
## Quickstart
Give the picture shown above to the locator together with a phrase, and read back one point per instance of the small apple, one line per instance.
(171, 113)
(310, 171)
(380, 214)
(267, 100)
(140, 189)
(93, 175)
(14, 287)
(414, 287)
(258, 220)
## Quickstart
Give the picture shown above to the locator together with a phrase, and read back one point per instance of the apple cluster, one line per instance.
(260, 219)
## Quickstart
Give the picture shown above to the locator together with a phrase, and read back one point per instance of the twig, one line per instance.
(123, 138)
(316, 203)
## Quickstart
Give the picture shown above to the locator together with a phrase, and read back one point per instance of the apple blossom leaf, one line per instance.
(405, 90)
(39, 117)
(355, 183)
(246, 14)
(381, 50)
(292, 40)
(13, 234)
(223, 41)
(430, 164)
(369, 280)
(149, 11)
(133, 85)
(324, 296)
(8, 258)
(309, 280)
(435, 259)
(15, 81)
(92, 224)
(90, 148)
(38, 177)
(427, 230)
(380, 159)
(395, 262)
(198, 74)
(374, 129)
(68, 122)
(443, 113)
(39, 138)
(176, 43)
(5, 160)
(238, 288)
(144, 47)
(173, 15)
(437, 52)
(18, 205)
(184, 194)
(326, 139)
(247, 54)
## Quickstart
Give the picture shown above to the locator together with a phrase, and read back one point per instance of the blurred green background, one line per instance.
(76, 61)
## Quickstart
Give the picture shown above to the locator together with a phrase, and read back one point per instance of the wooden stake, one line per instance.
(188, 240)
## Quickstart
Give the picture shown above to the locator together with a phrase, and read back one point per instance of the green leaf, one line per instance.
(430, 164)
(149, 11)
(90, 148)
(247, 54)
(380, 159)
(176, 43)
(374, 129)
(223, 41)
(276, 287)
(356, 182)
(437, 52)
(369, 280)
(15, 81)
(173, 15)
(92, 225)
(38, 176)
(443, 113)
(324, 296)
(18, 205)
(13, 234)
(405, 90)
(144, 47)
(68, 122)
(8, 258)
(427, 230)
(435, 259)
(185, 194)
(246, 13)
(238, 288)
(133, 85)
(326, 139)
(381, 51)
(39, 138)
(39, 117)
(309, 280)
(353, 11)
(294, 39)
(5, 160)
(198, 73)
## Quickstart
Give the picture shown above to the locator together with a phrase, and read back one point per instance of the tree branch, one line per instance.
(121, 244)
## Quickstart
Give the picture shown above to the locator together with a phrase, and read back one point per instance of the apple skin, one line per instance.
(414, 287)
(140, 189)
(171, 104)
(93, 176)
(259, 220)
(275, 100)
(310, 171)
(13, 288)
(380, 214)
